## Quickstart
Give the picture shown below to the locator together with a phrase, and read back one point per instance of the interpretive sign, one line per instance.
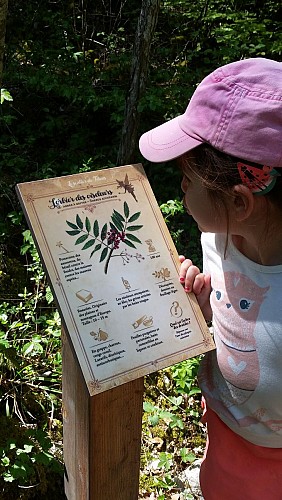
(113, 269)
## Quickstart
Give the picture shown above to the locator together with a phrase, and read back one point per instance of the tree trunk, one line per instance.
(138, 77)
(3, 17)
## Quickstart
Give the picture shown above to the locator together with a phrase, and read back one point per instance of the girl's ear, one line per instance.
(243, 202)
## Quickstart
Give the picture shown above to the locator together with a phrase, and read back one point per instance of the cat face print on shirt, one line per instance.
(236, 302)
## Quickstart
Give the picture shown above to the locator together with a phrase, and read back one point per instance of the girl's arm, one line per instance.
(198, 283)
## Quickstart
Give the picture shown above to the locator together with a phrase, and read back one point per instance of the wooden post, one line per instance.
(102, 436)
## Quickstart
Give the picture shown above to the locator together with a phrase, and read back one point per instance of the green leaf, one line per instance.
(87, 225)
(27, 449)
(126, 210)
(88, 244)
(49, 295)
(28, 348)
(129, 244)
(79, 222)
(114, 227)
(165, 460)
(176, 422)
(176, 400)
(96, 229)
(73, 233)
(134, 217)
(81, 239)
(166, 414)
(118, 215)
(104, 232)
(5, 461)
(194, 390)
(5, 96)
(133, 228)
(153, 419)
(148, 407)
(32, 348)
(97, 247)
(117, 223)
(104, 254)
(43, 458)
(71, 224)
(8, 478)
(131, 237)
(187, 456)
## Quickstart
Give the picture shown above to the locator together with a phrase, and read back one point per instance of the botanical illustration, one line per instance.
(108, 239)
(128, 187)
(163, 273)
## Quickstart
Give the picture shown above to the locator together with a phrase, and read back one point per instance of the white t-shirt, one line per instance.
(242, 380)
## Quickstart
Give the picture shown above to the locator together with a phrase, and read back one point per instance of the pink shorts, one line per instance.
(234, 469)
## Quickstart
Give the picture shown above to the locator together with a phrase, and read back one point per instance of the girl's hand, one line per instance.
(198, 283)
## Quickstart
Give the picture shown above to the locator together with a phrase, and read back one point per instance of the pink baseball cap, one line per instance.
(236, 109)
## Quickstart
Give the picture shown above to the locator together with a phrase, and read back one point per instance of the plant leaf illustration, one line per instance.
(79, 222)
(104, 231)
(115, 228)
(133, 228)
(87, 225)
(118, 215)
(134, 217)
(96, 229)
(114, 233)
(74, 232)
(81, 239)
(117, 222)
(72, 225)
(128, 243)
(97, 247)
(104, 254)
(131, 237)
(126, 210)
(88, 244)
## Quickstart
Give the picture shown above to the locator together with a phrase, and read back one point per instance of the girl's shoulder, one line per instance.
(214, 242)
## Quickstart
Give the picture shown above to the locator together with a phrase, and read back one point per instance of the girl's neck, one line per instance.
(262, 250)
(258, 236)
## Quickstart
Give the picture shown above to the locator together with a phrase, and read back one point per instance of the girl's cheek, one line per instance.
(184, 203)
(184, 185)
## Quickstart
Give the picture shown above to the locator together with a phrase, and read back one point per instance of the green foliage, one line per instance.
(23, 463)
(69, 74)
(171, 208)
(5, 96)
(30, 393)
(185, 376)
(173, 436)
(157, 413)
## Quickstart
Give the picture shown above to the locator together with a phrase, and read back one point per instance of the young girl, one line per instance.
(228, 144)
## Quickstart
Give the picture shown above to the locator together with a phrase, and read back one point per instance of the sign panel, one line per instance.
(113, 269)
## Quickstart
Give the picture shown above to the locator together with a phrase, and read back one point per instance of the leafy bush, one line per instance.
(30, 393)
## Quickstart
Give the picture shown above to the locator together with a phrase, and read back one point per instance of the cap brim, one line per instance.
(166, 142)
